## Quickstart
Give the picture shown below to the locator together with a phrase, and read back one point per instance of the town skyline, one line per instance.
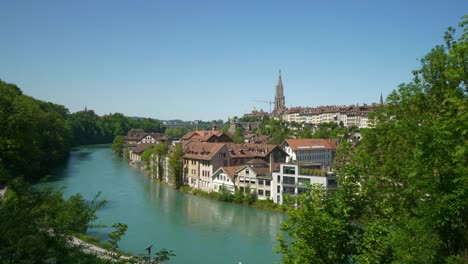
(219, 58)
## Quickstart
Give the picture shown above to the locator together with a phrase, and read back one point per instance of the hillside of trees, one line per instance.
(36, 136)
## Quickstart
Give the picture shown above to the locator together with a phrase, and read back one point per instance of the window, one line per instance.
(289, 170)
(267, 182)
(302, 181)
(332, 183)
(267, 193)
(278, 189)
(260, 182)
(289, 180)
(260, 192)
(289, 190)
(247, 171)
(279, 179)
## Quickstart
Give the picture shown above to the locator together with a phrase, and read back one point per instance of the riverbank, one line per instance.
(267, 205)
(164, 217)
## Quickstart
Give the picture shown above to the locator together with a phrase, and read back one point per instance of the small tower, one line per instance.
(381, 98)
(280, 105)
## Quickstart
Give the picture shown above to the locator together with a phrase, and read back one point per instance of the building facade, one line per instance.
(201, 160)
(310, 150)
(292, 180)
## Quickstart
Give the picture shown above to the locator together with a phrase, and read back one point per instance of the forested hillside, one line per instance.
(35, 136)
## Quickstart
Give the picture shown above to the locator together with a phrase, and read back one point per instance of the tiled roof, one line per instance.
(140, 148)
(230, 171)
(202, 136)
(256, 162)
(248, 150)
(310, 143)
(261, 171)
(202, 150)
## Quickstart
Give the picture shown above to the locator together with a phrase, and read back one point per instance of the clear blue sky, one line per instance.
(211, 59)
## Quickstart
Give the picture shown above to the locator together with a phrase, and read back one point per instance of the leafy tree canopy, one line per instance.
(404, 190)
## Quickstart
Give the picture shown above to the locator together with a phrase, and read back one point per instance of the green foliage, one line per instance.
(37, 225)
(176, 132)
(163, 255)
(238, 196)
(114, 238)
(34, 136)
(269, 205)
(224, 194)
(318, 233)
(250, 196)
(237, 137)
(117, 145)
(89, 128)
(153, 158)
(329, 131)
(403, 191)
(176, 165)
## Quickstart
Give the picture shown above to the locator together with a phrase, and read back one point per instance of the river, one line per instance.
(197, 229)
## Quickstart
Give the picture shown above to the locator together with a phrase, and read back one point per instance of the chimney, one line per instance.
(271, 163)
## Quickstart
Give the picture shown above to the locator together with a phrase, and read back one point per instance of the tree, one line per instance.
(114, 238)
(36, 226)
(319, 233)
(117, 145)
(176, 165)
(160, 150)
(163, 255)
(403, 191)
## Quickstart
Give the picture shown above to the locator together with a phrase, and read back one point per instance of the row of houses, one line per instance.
(212, 161)
(354, 115)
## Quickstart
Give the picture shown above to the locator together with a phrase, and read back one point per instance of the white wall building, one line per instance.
(309, 150)
(292, 179)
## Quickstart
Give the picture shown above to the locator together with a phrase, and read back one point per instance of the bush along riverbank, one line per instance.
(248, 199)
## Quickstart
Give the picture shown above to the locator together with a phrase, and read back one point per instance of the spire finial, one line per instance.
(280, 73)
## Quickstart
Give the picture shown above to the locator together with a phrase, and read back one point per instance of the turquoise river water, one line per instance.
(197, 229)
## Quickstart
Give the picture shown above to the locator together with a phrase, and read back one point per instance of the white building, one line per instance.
(292, 179)
(224, 177)
(309, 150)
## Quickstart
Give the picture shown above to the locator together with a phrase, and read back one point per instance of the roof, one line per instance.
(140, 148)
(248, 150)
(230, 171)
(256, 162)
(310, 143)
(261, 171)
(203, 136)
(202, 150)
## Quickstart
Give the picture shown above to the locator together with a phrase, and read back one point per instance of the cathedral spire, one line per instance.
(381, 98)
(280, 106)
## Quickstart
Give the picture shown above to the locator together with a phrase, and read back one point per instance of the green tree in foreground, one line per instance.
(114, 238)
(403, 192)
(36, 226)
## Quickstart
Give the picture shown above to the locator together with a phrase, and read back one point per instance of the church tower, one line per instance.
(280, 105)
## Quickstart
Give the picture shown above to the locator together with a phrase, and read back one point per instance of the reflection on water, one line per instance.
(197, 229)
